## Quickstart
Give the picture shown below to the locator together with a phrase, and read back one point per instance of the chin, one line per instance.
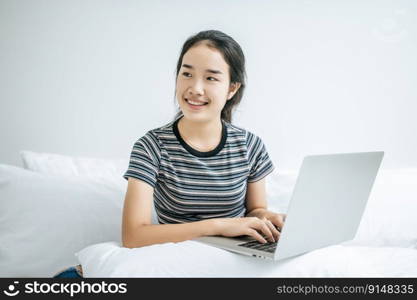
(194, 117)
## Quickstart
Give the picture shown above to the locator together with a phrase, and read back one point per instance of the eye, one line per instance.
(186, 74)
(214, 79)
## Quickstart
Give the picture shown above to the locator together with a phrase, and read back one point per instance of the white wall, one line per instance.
(87, 78)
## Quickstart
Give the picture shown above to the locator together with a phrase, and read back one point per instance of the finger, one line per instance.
(278, 221)
(261, 226)
(253, 233)
(274, 231)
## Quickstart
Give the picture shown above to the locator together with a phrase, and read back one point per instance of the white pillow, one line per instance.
(279, 187)
(107, 171)
(45, 219)
(389, 218)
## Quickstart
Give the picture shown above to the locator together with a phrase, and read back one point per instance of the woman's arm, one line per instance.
(256, 206)
(137, 230)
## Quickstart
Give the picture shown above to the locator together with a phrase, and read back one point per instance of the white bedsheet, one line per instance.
(385, 244)
(194, 259)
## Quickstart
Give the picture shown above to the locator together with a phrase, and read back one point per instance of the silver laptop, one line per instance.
(325, 209)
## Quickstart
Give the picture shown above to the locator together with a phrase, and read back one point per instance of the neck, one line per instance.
(200, 131)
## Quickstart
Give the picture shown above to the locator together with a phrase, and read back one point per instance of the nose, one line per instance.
(196, 87)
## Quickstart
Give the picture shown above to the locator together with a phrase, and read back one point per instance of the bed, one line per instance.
(60, 211)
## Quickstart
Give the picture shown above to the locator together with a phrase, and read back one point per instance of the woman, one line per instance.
(200, 171)
(204, 175)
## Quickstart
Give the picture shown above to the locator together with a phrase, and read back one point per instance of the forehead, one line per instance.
(204, 57)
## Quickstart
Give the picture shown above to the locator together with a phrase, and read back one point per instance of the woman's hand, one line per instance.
(276, 219)
(251, 226)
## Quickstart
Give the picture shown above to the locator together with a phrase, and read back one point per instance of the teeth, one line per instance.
(195, 103)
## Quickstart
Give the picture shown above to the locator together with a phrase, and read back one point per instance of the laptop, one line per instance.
(325, 209)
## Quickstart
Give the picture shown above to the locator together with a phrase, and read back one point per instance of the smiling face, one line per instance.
(203, 84)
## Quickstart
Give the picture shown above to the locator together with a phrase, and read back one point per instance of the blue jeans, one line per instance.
(71, 272)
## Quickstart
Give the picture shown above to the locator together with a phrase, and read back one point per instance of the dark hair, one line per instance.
(232, 54)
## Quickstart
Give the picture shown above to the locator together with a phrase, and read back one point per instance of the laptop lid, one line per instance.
(328, 201)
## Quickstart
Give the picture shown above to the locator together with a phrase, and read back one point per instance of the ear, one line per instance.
(234, 87)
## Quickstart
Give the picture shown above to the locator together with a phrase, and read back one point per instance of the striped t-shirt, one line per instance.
(190, 185)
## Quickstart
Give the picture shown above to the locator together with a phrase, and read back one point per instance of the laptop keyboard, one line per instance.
(268, 247)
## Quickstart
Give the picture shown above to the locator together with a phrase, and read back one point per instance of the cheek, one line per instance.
(221, 94)
(179, 88)
(180, 81)
(178, 85)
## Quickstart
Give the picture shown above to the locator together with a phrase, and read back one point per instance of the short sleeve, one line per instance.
(144, 160)
(260, 165)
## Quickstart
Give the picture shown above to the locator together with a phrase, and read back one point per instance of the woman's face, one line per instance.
(203, 80)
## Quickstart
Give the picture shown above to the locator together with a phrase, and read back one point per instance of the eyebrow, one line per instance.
(208, 70)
